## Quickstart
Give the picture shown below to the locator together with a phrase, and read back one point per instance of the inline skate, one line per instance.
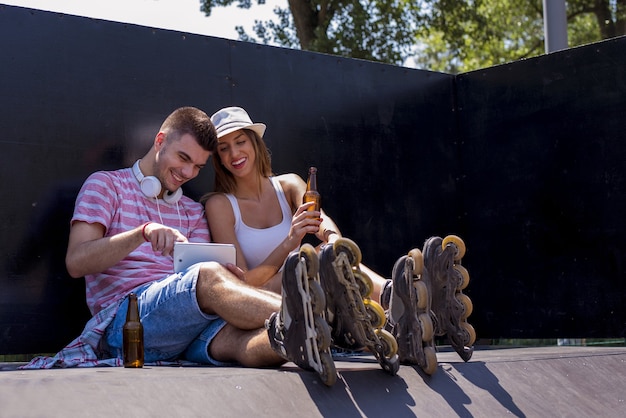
(426, 299)
(356, 320)
(299, 332)
(448, 278)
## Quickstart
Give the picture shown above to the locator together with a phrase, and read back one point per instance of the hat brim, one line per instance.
(258, 128)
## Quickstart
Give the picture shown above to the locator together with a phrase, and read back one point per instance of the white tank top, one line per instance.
(257, 244)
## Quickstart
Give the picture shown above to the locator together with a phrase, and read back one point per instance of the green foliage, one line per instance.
(440, 35)
(376, 30)
(465, 35)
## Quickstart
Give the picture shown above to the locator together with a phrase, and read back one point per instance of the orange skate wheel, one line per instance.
(418, 261)
(375, 313)
(468, 307)
(422, 294)
(427, 327)
(322, 329)
(430, 361)
(464, 279)
(350, 248)
(310, 257)
(390, 345)
(470, 338)
(318, 297)
(329, 373)
(366, 286)
(457, 242)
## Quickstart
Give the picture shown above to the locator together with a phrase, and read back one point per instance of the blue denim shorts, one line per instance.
(174, 326)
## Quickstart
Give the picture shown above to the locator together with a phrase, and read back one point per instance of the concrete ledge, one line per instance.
(522, 382)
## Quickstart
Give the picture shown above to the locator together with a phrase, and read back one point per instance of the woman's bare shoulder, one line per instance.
(216, 201)
(290, 180)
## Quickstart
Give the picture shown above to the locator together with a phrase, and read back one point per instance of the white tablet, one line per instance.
(189, 253)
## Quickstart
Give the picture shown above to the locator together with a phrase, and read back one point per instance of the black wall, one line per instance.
(544, 183)
(522, 161)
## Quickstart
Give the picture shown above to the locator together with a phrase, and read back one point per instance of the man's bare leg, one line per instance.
(250, 348)
(222, 293)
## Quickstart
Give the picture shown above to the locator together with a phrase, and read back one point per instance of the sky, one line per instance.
(180, 15)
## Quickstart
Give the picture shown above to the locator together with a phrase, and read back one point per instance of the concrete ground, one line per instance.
(521, 382)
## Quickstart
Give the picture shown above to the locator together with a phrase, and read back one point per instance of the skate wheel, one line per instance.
(418, 261)
(375, 313)
(366, 286)
(310, 258)
(350, 248)
(464, 279)
(468, 307)
(329, 373)
(427, 327)
(322, 330)
(430, 361)
(421, 291)
(456, 242)
(390, 345)
(470, 338)
(318, 297)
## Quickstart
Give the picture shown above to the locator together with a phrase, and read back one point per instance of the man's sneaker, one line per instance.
(299, 332)
(355, 319)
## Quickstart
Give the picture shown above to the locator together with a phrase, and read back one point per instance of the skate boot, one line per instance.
(447, 278)
(409, 314)
(299, 332)
(356, 320)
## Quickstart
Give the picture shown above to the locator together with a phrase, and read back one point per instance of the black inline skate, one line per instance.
(299, 332)
(356, 320)
(426, 300)
(442, 267)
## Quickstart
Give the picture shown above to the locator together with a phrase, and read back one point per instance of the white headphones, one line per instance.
(151, 186)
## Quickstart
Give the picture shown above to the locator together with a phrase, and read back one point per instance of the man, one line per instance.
(122, 236)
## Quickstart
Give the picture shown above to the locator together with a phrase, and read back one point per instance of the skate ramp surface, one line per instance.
(520, 382)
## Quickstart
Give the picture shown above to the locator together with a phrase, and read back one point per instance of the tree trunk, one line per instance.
(620, 21)
(604, 18)
(305, 20)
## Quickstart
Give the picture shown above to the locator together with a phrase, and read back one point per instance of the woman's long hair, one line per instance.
(224, 179)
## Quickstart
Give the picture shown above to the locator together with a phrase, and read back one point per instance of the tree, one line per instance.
(377, 30)
(464, 35)
(440, 35)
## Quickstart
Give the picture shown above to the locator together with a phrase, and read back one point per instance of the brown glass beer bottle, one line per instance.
(311, 194)
(133, 335)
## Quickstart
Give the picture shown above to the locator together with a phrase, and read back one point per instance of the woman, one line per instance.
(261, 214)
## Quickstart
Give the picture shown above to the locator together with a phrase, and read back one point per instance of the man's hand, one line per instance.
(162, 237)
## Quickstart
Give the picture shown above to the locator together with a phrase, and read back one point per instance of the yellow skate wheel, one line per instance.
(318, 297)
(366, 286)
(329, 374)
(310, 257)
(422, 294)
(457, 242)
(464, 279)
(430, 361)
(468, 307)
(375, 313)
(390, 345)
(470, 338)
(350, 248)
(418, 261)
(322, 329)
(427, 327)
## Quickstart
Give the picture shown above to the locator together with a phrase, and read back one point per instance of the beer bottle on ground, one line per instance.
(311, 194)
(133, 335)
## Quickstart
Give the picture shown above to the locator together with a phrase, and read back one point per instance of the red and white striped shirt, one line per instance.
(115, 200)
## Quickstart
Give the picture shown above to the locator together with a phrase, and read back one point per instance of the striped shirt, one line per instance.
(114, 200)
